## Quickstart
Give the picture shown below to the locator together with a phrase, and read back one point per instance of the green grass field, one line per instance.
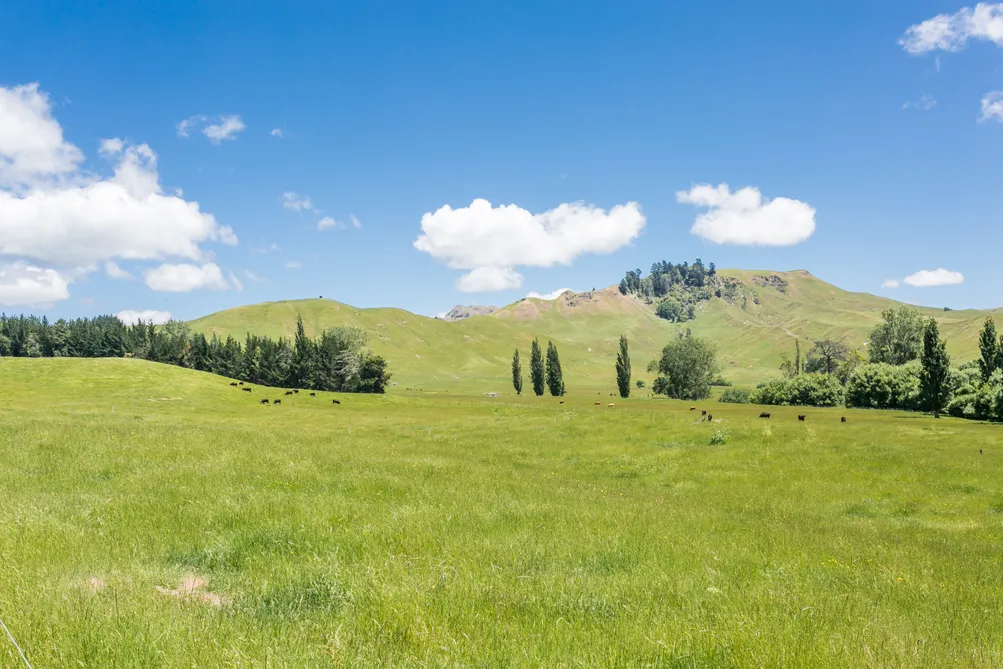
(153, 516)
(474, 355)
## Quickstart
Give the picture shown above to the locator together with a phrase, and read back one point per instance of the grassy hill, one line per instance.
(474, 354)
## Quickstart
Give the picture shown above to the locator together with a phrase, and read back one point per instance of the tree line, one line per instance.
(337, 360)
(678, 289)
(543, 374)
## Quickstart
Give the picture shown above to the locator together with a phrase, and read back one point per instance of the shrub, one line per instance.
(884, 386)
(735, 396)
(719, 438)
(821, 390)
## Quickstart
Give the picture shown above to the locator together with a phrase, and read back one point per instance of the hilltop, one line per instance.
(751, 326)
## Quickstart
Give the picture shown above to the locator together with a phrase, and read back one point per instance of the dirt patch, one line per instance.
(95, 584)
(192, 589)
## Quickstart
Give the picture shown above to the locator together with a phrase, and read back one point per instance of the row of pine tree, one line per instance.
(544, 375)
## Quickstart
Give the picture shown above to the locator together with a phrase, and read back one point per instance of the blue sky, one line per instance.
(882, 148)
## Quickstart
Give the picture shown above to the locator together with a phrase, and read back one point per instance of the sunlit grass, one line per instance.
(432, 530)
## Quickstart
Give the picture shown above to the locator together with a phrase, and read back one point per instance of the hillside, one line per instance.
(474, 354)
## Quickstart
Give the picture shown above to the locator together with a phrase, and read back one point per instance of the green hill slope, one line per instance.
(751, 330)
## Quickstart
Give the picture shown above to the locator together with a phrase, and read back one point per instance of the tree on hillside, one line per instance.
(991, 349)
(797, 357)
(934, 389)
(623, 369)
(826, 356)
(303, 354)
(686, 369)
(555, 377)
(516, 373)
(536, 372)
(899, 338)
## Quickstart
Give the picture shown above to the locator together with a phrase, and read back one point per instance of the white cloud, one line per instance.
(277, 132)
(23, 284)
(992, 107)
(235, 282)
(251, 276)
(926, 278)
(492, 241)
(63, 222)
(223, 127)
(297, 202)
(130, 317)
(328, 222)
(488, 279)
(115, 272)
(744, 217)
(951, 32)
(293, 264)
(184, 278)
(355, 222)
(549, 296)
(890, 283)
(32, 148)
(226, 128)
(925, 103)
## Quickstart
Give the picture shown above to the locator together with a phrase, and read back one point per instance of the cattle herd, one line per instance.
(247, 389)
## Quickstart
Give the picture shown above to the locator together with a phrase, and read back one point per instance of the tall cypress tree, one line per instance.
(516, 373)
(555, 378)
(936, 366)
(989, 346)
(623, 368)
(536, 373)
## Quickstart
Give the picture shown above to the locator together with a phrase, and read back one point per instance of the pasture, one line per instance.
(152, 516)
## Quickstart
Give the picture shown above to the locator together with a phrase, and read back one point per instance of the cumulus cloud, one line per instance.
(992, 107)
(61, 222)
(277, 132)
(924, 103)
(217, 129)
(328, 222)
(115, 272)
(489, 279)
(22, 284)
(745, 217)
(926, 278)
(492, 241)
(890, 283)
(185, 277)
(549, 296)
(952, 32)
(297, 202)
(130, 317)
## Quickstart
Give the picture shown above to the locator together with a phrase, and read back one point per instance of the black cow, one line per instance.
(264, 401)
(703, 413)
(297, 391)
(709, 418)
(801, 418)
(241, 383)
(765, 414)
(233, 385)
(842, 419)
(276, 401)
(335, 401)
(289, 392)
(313, 394)
(246, 390)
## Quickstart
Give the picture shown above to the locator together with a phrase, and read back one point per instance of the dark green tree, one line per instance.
(536, 371)
(899, 338)
(623, 368)
(555, 377)
(516, 373)
(934, 389)
(686, 369)
(989, 346)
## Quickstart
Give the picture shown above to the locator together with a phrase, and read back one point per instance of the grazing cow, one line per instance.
(709, 418)
(765, 414)
(297, 391)
(276, 401)
(612, 394)
(693, 408)
(335, 401)
(610, 405)
(289, 392)
(561, 402)
(233, 385)
(264, 401)
(246, 390)
(801, 418)
(598, 404)
(241, 383)
(313, 394)
(842, 419)
(703, 413)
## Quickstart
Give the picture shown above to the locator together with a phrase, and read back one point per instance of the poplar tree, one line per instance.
(933, 386)
(623, 368)
(555, 378)
(989, 346)
(516, 373)
(536, 373)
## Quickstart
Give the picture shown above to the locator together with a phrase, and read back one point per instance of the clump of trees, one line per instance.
(979, 395)
(678, 289)
(686, 369)
(334, 361)
(543, 375)
(736, 396)
(808, 389)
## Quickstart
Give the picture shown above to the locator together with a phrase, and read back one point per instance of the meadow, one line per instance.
(153, 516)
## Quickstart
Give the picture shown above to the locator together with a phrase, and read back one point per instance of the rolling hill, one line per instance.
(474, 354)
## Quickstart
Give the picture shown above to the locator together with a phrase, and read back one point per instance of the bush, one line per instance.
(719, 438)
(720, 381)
(820, 390)
(884, 386)
(735, 396)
